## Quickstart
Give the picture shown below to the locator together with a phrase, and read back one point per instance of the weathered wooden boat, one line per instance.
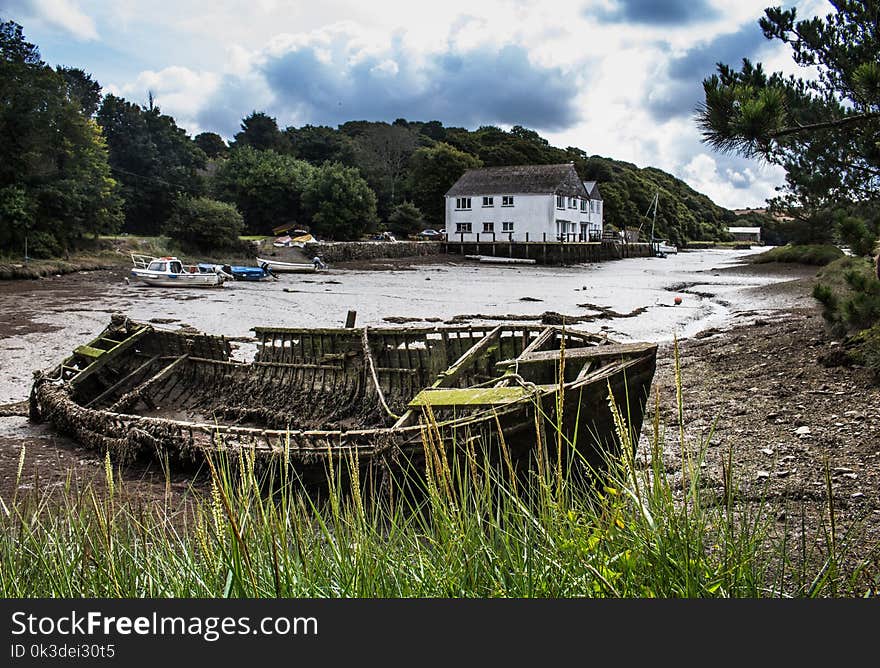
(171, 272)
(313, 397)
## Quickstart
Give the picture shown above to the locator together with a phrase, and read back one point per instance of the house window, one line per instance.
(572, 202)
(583, 205)
(560, 202)
(488, 201)
(507, 200)
(507, 227)
(592, 206)
(463, 203)
(488, 227)
(463, 227)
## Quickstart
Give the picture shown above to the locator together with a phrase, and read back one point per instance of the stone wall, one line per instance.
(552, 252)
(343, 251)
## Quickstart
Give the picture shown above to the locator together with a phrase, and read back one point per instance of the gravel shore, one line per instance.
(758, 397)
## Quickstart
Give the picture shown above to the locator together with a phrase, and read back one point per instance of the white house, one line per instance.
(524, 203)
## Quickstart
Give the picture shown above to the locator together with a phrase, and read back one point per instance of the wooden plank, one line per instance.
(109, 355)
(88, 351)
(143, 387)
(483, 396)
(585, 353)
(446, 378)
(121, 381)
(542, 338)
(463, 363)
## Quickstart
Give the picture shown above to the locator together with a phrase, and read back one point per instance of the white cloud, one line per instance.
(623, 90)
(64, 15)
(177, 91)
(734, 189)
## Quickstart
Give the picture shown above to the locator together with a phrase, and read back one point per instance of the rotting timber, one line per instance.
(368, 396)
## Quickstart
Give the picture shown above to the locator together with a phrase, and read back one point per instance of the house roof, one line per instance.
(593, 189)
(744, 230)
(520, 179)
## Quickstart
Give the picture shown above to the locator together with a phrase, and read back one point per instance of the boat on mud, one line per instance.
(289, 267)
(665, 248)
(170, 271)
(368, 398)
(240, 272)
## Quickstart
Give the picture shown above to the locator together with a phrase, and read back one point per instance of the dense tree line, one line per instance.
(55, 181)
(74, 162)
(415, 163)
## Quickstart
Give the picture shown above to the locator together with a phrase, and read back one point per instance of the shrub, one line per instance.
(812, 254)
(204, 223)
(854, 233)
(405, 219)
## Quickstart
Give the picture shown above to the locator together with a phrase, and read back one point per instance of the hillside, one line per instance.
(683, 213)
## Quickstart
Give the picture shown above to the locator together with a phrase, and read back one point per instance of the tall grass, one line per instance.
(813, 254)
(477, 530)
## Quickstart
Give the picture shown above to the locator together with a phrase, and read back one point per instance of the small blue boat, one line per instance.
(240, 273)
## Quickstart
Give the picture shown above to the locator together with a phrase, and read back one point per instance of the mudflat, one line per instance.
(756, 398)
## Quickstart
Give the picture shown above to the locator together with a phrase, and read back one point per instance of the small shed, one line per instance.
(752, 234)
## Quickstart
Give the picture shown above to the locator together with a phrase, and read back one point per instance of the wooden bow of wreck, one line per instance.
(312, 396)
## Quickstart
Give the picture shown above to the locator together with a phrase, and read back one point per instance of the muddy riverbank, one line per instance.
(628, 299)
(750, 340)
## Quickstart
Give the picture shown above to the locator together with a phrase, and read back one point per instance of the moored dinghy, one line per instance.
(317, 396)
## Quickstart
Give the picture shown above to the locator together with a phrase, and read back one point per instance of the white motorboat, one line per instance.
(171, 272)
(665, 247)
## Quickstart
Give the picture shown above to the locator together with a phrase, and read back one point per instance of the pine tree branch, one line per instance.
(825, 125)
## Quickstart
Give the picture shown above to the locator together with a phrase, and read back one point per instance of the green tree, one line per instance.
(822, 131)
(14, 48)
(405, 219)
(266, 187)
(382, 153)
(212, 144)
(342, 204)
(317, 144)
(55, 184)
(261, 132)
(81, 89)
(432, 172)
(153, 159)
(204, 223)
(855, 233)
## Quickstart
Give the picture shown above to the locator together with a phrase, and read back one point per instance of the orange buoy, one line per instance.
(677, 301)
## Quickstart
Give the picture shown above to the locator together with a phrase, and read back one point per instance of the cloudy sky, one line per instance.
(618, 78)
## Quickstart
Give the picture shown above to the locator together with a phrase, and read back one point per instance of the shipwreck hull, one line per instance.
(364, 398)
